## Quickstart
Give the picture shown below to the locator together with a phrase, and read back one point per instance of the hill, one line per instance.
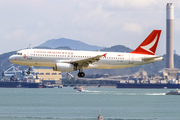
(117, 48)
(60, 48)
(73, 44)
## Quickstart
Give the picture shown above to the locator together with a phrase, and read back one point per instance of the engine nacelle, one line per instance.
(64, 67)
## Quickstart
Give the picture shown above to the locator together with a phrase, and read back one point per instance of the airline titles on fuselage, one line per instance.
(53, 52)
(71, 54)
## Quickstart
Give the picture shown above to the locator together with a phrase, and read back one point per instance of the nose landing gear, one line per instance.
(28, 72)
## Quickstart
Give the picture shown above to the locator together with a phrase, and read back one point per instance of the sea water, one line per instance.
(69, 104)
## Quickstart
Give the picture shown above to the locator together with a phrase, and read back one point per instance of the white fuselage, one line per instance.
(49, 57)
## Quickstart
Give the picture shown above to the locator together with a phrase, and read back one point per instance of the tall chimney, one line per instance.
(169, 36)
(170, 70)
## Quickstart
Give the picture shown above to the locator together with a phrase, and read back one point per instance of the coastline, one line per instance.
(93, 86)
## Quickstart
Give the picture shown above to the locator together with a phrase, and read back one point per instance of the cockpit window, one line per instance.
(18, 53)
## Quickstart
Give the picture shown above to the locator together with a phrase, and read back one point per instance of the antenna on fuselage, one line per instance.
(29, 46)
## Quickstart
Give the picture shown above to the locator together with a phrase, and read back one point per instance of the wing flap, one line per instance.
(85, 62)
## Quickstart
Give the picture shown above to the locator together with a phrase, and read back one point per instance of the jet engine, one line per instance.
(64, 67)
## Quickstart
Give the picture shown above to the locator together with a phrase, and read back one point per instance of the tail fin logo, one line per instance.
(150, 45)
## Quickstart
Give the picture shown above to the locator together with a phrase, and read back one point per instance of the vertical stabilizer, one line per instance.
(149, 45)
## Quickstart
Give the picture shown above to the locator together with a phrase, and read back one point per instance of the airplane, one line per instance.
(73, 60)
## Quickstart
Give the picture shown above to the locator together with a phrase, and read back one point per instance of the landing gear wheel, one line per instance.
(81, 74)
(28, 72)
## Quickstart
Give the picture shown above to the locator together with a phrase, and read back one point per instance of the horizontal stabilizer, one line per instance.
(151, 58)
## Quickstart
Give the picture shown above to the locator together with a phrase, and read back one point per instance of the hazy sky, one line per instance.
(96, 22)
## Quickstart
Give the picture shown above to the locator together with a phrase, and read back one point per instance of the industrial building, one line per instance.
(48, 76)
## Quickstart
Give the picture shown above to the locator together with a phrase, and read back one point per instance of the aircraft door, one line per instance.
(29, 54)
(131, 59)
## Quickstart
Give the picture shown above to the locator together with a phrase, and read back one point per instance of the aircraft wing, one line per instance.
(85, 62)
(150, 58)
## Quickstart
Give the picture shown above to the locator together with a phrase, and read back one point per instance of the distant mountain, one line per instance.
(117, 48)
(63, 48)
(73, 44)
(59, 48)
(42, 47)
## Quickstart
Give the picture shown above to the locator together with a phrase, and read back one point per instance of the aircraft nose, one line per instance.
(11, 58)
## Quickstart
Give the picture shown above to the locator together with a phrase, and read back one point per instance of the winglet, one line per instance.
(149, 45)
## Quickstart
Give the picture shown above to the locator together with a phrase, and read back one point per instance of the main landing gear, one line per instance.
(81, 73)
